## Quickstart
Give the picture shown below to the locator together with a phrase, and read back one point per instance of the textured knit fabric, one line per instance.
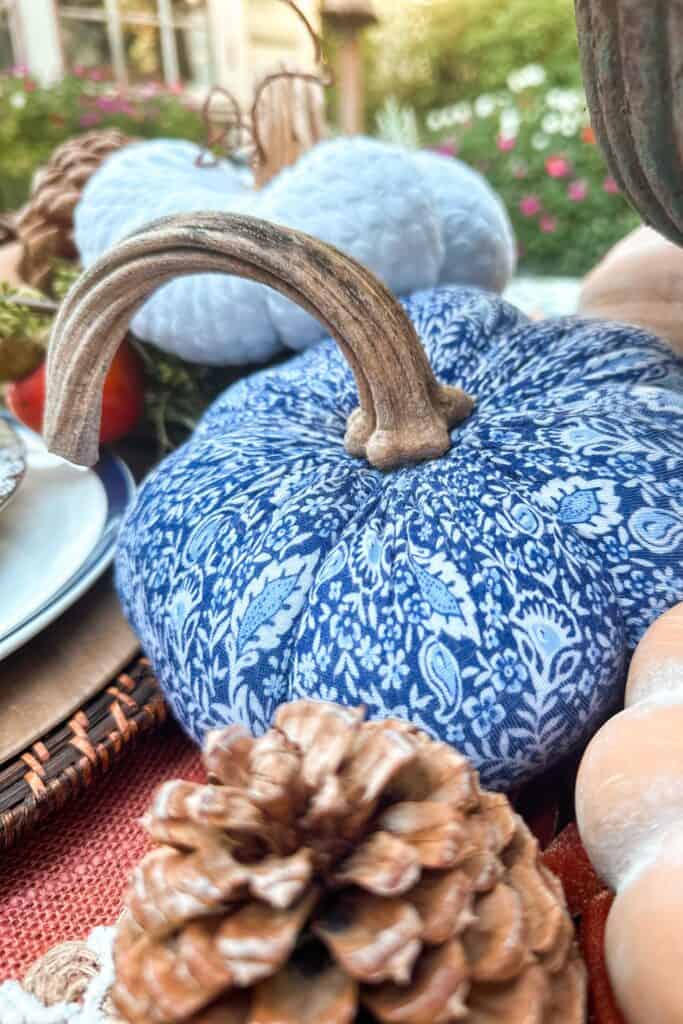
(415, 219)
(68, 875)
(491, 596)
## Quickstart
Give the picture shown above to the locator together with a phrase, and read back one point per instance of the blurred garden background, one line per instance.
(496, 83)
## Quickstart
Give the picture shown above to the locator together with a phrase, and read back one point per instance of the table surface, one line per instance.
(68, 876)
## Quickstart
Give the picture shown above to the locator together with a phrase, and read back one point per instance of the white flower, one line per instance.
(567, 100)
(461, 113)
(526, 77)
(484, 105)
(514, 82)
(590, 506)
(509, 123)
(435, 121)
(551, 123)
(18, 100)
(569, 125)
(540, 141)
(535, 74)
(446, 117)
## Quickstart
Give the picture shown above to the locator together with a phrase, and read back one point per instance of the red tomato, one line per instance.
(123, 398)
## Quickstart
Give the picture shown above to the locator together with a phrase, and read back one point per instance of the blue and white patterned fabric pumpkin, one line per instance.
(491, 596)
(415, 218)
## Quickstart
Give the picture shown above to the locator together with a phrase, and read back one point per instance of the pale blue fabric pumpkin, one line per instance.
(415, 218)
(491, 596)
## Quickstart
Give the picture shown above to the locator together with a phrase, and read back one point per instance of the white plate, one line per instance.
(12, 462)
(56, 538)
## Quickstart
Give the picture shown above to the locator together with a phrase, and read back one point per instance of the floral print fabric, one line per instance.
(491, 596)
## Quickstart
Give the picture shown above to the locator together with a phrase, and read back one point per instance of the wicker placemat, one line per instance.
(73, 755)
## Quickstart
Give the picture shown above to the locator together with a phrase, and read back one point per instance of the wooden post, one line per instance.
(348, 18)
(350, 74)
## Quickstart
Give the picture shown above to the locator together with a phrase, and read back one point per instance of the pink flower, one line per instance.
(577, 191)
(557, 166)
(505, 144)
(150, 89)
(19, 70)
(89, 119)
(96, 75)
(176, 89)
(547, 224)
(449, 147)
(114, 105)
(529, 206)
(610, 185)
(78, 71)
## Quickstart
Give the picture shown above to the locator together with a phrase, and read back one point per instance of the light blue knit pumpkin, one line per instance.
(415, 219)
(491, 596)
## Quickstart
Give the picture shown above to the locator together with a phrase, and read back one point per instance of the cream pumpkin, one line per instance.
(639, 282)
(629, 806)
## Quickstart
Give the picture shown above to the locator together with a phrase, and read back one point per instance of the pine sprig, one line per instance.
(177, 393)
(23, 332)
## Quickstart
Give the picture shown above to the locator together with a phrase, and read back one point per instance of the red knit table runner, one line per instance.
(68, 876)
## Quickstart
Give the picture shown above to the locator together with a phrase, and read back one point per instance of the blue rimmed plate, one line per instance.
(56, 538)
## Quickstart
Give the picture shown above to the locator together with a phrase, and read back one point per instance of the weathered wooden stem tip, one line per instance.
(404, 414)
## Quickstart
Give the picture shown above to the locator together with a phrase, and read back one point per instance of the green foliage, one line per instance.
(22, 321)
(23, 331)
(34, 119)
(428, 53)
(537, 149)
(177, 393)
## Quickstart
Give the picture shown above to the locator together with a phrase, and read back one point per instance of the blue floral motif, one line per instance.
(485, 712)
(492, 595)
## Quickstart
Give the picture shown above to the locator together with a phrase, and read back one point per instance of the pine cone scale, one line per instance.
(436, 995)
(522, 1001)
(226, 756)
(372, 938)
(542, 913)
(324, 733)
(256, 940)
(437, 835)
(293, 996)
(444, 901)
(377, 759)
(382, 864)
(495, 941)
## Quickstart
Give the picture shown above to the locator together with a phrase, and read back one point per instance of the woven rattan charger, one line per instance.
(75, 754)
(59, 734)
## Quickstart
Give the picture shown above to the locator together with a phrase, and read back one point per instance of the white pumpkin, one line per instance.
(416, 219)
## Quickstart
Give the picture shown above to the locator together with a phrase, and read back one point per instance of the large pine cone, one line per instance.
(337, 871)
(45, 225)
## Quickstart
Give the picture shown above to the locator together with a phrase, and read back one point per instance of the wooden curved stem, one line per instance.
(404, 415)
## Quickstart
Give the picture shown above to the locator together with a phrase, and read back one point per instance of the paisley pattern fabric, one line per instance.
(491, 596)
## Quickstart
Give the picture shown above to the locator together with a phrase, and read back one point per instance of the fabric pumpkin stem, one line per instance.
(404, 415)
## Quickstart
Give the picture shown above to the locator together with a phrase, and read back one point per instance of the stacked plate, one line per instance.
(58, 528)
